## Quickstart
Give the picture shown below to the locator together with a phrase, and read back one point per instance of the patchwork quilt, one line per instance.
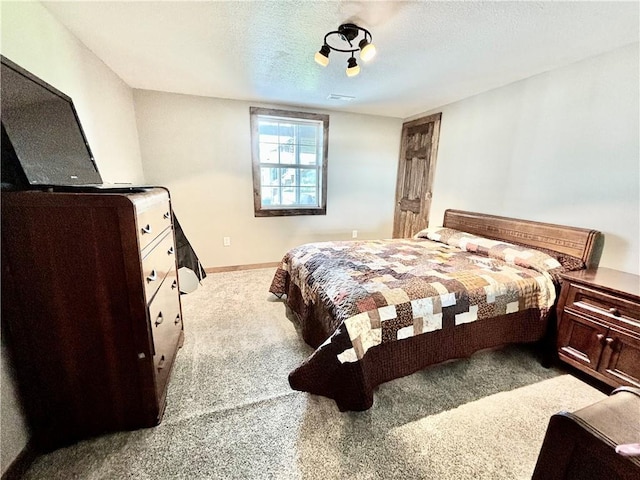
(354, 296)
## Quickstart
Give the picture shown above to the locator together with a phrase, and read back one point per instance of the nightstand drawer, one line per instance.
(601, 305)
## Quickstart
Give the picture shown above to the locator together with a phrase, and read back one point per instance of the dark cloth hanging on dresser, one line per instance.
(186, 255)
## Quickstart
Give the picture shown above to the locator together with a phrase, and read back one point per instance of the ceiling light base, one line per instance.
(348, 31)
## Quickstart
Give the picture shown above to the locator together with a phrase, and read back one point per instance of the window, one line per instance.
(289, 152)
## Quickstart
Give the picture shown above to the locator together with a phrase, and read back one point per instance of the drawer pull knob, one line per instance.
(146, 229)
(170, 251)
(153, 277)
(600, 337)
(614, 311)
(177, 320)
(166, 215)
(159, 319)
(609, 341)
(174, 284)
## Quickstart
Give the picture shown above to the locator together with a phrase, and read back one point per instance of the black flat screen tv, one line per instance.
(43, 143)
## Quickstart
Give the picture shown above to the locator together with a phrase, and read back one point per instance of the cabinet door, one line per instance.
(580, 340)
(621, 357)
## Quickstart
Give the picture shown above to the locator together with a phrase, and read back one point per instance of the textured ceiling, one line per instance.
(429, 53)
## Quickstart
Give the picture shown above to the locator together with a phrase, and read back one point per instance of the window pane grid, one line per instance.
(289, 162)
(292, 146)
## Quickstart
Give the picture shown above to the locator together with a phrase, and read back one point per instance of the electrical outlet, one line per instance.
(354, 234)
(226, 241)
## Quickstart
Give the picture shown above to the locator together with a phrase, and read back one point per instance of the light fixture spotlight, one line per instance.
(348, 32)
(352, 67)
(322, 57)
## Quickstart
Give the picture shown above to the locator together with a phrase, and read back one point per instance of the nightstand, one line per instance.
(599, 324)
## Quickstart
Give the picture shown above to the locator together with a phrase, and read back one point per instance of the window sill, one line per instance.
(289, 212)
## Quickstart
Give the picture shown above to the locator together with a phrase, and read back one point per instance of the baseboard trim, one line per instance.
(235, 268)
(22, 462)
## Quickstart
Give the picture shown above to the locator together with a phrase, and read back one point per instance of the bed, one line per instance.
(382, 309)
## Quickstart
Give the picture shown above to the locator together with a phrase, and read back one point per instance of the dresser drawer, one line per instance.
(157, 263)
(603, 306)
(152, 221)
(166, 324)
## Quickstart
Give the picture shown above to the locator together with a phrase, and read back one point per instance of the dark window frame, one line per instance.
(269, 211)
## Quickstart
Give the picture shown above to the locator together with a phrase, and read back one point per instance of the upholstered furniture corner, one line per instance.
(582, 444)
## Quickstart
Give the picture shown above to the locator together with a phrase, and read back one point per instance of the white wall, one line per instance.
(33, 39)
(560, 147)
(201, 149)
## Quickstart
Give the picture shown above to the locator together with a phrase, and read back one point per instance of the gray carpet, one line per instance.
(231, 413)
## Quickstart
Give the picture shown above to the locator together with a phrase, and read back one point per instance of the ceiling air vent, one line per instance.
(344, 98)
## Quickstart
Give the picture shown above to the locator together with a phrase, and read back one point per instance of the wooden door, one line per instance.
(415, 175)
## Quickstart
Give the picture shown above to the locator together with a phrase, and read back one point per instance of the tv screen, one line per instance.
(43, 141)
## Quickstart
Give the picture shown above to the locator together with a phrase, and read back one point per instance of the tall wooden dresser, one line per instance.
(91, 306)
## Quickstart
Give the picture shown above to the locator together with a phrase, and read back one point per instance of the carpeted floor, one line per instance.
(231, 413)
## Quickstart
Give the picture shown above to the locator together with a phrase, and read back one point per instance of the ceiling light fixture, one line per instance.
(348, 32)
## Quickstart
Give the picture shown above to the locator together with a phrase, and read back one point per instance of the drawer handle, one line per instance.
(153, 277)
(146, 229)
(161, 363)
(166, 215)
(177, 320)
(159, 319)
(171, 251)
(614, 311)
(600, 337)
(610, 341)
(174, 284)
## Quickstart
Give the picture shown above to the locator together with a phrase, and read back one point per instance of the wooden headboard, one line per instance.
(577, 242)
